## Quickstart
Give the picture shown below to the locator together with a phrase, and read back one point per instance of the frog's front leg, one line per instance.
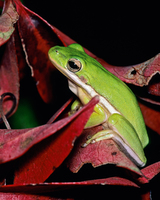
(76, 105)
(97, 117)
(125, 136)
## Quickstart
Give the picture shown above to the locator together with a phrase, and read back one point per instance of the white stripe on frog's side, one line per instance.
(91, 93)
(74, 81)
(89, 90)
(127, 150)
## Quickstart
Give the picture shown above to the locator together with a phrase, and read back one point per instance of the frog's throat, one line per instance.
(77, 82)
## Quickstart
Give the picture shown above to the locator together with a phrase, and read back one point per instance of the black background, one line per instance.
(120, 33)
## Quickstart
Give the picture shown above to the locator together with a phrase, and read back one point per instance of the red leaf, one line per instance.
(100, 153)
(12, 196)
(150, 172)
(139, 74)
(151, 117)
(37, 38)
(143, 74)
(54, 117)
(146, 196)
(43, 161)
(59, 186)
(9, 80)
(22, 191)
(7, 21)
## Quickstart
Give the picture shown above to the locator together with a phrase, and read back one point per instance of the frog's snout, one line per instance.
(53, 51)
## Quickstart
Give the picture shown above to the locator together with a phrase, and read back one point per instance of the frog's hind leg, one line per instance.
(125, 136)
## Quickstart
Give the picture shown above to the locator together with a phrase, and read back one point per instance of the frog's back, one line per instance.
(122, 98)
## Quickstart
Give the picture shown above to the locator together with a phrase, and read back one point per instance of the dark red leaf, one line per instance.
(144, 74)
(6, 196)
(100, 153)
(24, 191)
(54, 117)
(151, 117)
(59, 186)
(43, 161)
(139, 74)
(1, 4)
(23, 139)
(146, 196)
(149, 172)
(9, 79)
(22, 64)
(7, 21)
(37, 38)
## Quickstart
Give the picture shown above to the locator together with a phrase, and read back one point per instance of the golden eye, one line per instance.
(74, 65)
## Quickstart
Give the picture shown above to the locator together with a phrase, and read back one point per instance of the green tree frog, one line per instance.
(117, 111)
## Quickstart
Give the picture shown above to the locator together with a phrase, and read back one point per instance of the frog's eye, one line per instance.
(74, 65)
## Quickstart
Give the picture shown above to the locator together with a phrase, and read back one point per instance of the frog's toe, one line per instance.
(87, 142)
(84, 144)
(89, 137)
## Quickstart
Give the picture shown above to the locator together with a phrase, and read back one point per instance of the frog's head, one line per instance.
(73, 62)
(77, 66)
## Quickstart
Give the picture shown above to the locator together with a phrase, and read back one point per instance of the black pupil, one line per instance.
(73, 65)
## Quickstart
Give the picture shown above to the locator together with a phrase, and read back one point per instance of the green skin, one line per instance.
(118, 110)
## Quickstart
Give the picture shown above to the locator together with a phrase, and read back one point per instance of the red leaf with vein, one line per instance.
(37, 38)
(36, 166)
